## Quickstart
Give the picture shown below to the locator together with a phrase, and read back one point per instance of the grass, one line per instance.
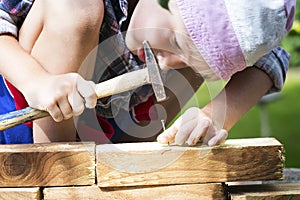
(284, 118)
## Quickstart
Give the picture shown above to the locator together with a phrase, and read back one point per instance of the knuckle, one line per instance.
(207, 121)
(192, 110)
(57, 117)
(51, 105)
(78, 110)
(92, 84)
(65, 86)
(90, 97)
(75, 76)
(68, 114)
(168, 134)
(184, 132)
(90, 103)
(58, 98)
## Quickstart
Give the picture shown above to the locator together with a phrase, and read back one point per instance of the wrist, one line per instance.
(217, 112)
(31, 81)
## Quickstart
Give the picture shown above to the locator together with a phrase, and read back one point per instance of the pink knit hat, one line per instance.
(234, 34)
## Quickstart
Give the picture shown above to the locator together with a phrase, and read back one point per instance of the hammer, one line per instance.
(125, 82)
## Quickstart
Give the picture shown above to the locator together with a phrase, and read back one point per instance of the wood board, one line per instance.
(137, 164)
(174, 192)
(20, 193)
(288, 191)
(55, 164)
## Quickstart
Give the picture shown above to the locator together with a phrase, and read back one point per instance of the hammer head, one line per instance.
(154, 73)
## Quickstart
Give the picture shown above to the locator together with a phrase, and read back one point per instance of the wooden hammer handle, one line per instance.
(122, 83)
(20, 116)
(119, 84)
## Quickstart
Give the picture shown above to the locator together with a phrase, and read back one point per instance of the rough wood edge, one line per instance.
(48, 147)
(265, 191)
(154, 146)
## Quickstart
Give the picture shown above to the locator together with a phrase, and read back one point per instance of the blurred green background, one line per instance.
(283, 113)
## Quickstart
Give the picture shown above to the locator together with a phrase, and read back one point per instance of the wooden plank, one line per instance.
(174, 192)
(55, 164)
(20, 193)
(288, 191)
(153, 164)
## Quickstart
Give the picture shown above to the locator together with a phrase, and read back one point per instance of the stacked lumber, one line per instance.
(142, 170)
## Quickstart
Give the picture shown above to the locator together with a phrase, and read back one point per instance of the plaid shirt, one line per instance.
(114, 58)
(12, 15)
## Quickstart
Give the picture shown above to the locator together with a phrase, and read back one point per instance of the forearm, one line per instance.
(16, 64)
(241, 93)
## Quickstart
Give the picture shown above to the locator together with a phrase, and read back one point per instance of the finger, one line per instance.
(65, 107)
(77, 103)
(218, 138)
(87, 91)
(184, 131)
(168, 135)
(55, 112)
(199, 132)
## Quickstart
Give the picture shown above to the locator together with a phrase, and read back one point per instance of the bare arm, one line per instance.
(212, 123)
(17, 65)
(242, 92)
(41, 89)
(44, 61)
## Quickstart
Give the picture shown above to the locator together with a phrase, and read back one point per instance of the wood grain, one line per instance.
(152, 164)
(20, 193)
(288, 191)
(56, 164)
(123, 83)
(174, 192)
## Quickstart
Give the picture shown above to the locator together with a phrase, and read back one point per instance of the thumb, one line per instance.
(87, 91)
(168, 135)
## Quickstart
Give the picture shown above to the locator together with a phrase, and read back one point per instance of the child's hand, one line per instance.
(63, 96)
(193, 126)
